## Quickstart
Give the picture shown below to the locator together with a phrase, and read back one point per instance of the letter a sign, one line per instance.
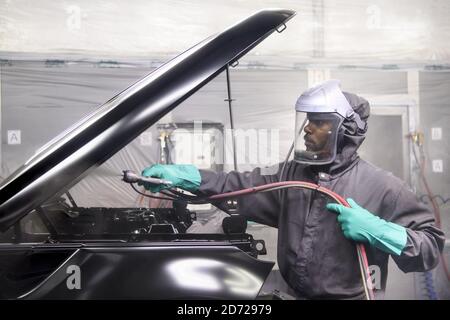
(14, 137)
(74, 280)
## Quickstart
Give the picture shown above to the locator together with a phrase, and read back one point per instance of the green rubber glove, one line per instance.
(183, 176)
(360, 225)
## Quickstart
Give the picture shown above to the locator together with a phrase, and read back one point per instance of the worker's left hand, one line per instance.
(360, 225)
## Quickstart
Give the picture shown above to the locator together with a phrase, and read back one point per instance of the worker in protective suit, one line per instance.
(316, 249)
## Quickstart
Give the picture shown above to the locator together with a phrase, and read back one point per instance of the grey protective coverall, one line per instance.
(314, 257)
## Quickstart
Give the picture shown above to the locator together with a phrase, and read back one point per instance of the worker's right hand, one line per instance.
(183, 176)
(359, 224)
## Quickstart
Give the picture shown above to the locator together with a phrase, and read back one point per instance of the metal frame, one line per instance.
(407, 127)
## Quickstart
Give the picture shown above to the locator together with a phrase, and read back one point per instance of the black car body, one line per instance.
(96, 253)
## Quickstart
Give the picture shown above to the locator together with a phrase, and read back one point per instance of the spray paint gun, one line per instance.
(131, 177)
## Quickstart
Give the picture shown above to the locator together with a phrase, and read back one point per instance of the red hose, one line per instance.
(361, 251)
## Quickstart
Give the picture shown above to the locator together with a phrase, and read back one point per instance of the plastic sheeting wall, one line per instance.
(60, 60)
(41, 100)
(363, 30)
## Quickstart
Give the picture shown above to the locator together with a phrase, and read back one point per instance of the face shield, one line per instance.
(316, 138)
(320, 112)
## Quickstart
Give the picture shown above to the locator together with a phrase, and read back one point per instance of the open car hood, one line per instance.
(94, 139)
